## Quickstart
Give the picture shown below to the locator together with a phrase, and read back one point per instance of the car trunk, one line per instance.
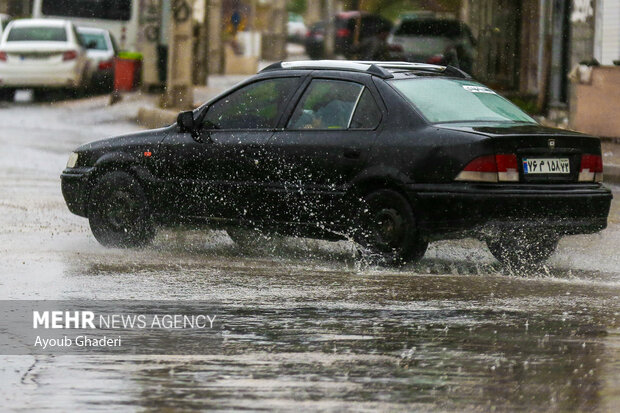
(36, 52)
(544, 155)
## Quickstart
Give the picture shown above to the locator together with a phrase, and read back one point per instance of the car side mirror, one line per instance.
(187, 123)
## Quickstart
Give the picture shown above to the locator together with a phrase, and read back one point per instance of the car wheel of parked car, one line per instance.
(119, 213)
(7, 94)
(521, 248)
(388, 228)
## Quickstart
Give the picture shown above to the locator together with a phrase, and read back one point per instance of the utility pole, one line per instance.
(274, 42)
(216, 48)
(330, 29)
(314, 12)
(202, 69)
(179, 82)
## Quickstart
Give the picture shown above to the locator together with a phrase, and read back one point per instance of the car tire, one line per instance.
(119, 212)
(520, 248)
(7, 94)
(387, 227)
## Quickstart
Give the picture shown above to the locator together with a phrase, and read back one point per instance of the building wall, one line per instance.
(607, 31)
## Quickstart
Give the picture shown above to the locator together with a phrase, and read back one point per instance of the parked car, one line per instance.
(101, 49)
(296, 29)
(345, 26)
(315, 41)
(431, 40)
(392, 155)
(38, 53)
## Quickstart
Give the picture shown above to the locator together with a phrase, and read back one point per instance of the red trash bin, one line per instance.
(126, 74)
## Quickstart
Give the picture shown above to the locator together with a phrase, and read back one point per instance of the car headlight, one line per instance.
(73, 158)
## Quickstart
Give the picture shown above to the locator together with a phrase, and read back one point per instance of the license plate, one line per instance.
(546, 166)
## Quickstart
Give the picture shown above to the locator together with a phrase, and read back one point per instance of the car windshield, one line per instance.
(94, 41)
(450, 100)
(37, 34)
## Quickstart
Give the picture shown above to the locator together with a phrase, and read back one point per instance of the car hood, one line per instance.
(144, 138)
(499, 129)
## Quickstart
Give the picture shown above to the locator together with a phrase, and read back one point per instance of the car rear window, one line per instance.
(430, 28)
(94, 41)
(443, 100)
(37, 34)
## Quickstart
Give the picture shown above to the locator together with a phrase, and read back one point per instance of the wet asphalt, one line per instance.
(307, 326)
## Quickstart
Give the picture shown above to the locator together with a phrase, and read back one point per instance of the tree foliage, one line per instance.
(297, 6)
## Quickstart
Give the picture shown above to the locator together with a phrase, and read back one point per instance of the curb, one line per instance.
(152, 118)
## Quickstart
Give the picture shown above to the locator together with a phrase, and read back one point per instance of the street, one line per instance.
(309, 327)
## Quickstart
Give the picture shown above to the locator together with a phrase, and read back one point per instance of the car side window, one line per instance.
(256, 106)
(326, 104)
(367, 114)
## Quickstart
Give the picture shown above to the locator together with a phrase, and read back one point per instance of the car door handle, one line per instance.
(352, 153)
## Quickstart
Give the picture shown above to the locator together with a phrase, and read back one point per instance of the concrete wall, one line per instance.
(594, 105)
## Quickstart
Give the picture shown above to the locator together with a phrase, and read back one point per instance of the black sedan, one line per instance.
(391, 155)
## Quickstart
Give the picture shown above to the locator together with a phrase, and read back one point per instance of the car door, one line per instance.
(323, 146)
(224, 175)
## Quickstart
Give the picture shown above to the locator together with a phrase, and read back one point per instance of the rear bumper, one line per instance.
(52, 75)
(564, 209)
(76, 190)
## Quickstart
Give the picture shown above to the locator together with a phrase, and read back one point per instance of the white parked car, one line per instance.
(101, 49)
(36, 53)
(296, 28)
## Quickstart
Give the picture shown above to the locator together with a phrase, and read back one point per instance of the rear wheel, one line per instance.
(119, 213)
(7, 94)
(388, 228)
(523, 248)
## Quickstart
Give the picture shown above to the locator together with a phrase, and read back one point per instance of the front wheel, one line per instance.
(119, 213)
(388, 228)
(522, 248)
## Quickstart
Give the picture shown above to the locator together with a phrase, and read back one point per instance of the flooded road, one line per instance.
(305, 325)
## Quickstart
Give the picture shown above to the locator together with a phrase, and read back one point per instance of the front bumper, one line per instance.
(477, 208)
(76, 189)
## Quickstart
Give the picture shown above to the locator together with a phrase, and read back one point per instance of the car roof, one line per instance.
(384, 70)
(93, 30)
(39, 22)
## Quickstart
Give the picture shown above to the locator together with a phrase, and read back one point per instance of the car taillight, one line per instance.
(343, 33)
(491, 168)
(108, 64)
(69, 55)
(3, 56)
(591, 168)
(434, 60)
